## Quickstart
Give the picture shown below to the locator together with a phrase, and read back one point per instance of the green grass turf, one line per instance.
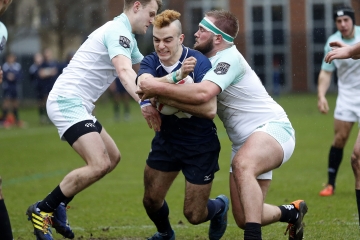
(33, 161)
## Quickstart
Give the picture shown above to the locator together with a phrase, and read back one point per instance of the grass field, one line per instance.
(33, 161)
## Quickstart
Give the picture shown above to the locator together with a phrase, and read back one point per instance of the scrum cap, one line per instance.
(344, 11)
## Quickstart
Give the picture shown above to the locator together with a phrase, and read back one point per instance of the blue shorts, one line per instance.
(197, 162)
(10, 93)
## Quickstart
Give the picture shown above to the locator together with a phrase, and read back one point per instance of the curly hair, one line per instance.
(165, 18)
(225, 21)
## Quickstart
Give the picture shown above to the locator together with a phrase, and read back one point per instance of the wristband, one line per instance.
(174, 77)
(144, 103)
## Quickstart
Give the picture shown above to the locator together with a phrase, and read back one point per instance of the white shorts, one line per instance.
(283, 132)
(346, 110)
(64, 112)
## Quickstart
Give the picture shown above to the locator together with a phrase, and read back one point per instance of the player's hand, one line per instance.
(152, 117)
(147, 88)
(188, 66)
(323, 105)
(339, 51)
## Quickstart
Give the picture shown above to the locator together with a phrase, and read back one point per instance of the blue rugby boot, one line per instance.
(158, 236)
(219, 222)
(41, 222)
(60, 222)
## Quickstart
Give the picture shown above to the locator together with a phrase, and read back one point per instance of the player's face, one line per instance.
(168, 43)
(144, 16)
(204, 41)
(345, 25)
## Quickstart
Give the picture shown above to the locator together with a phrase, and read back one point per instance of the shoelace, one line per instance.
(290, 229)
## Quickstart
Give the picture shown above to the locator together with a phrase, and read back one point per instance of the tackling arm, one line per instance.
(126, 74)
(204, 110)
(195, 93)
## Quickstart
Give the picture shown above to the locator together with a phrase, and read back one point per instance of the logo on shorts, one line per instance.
(2, 44)
(207, 178)
(124, 41)
(222, 68)
(89, 125)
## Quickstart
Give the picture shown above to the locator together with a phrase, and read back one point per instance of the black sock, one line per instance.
(161, 220)
(357, 192)
(335, 157)
(5, 226)
(252, 231)
(214, 206)
(67, 200)
(289, 213)
(4, 113)
(52, 201)
(16, 114)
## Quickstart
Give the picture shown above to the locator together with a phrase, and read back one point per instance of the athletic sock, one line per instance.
(252, 231)
(289, 213)
(214, 206)
(357, 192)
(161, 220)
(335, 158)
(5, 226)
(67, 200)
(52, 201)
(16, 114)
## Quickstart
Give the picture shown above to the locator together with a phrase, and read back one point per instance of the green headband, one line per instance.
(208, 25)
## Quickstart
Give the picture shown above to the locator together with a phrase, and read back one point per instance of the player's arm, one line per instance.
(343, 51)
(126, 73)
(204, 110)
(127, 76)
(187, 67)
(196, 93)
(323, 85)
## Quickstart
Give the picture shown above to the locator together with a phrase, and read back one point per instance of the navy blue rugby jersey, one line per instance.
(185, 131)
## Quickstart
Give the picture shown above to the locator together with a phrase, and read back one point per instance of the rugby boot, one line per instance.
(296, 230)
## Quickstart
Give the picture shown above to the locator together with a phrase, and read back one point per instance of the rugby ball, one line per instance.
(168, 110)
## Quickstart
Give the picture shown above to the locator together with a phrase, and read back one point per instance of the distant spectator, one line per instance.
(11, 78)
(48, 72)
(119, 96)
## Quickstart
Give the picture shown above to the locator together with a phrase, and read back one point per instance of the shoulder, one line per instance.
(152, 57)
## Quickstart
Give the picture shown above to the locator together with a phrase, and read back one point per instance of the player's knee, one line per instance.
(192, 217)
(150, 203)
(101, 169)
(355, 160)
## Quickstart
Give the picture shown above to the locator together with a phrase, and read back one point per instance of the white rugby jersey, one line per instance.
(244, 104)
(348, 70)
(90, 72)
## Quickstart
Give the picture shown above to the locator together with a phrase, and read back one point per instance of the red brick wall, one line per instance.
(237, 8)
(115, 8)
(298, 45)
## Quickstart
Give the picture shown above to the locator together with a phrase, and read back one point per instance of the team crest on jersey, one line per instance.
(124, 41)
(222, 68)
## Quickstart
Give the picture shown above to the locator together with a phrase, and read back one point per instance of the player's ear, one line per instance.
(181, 38)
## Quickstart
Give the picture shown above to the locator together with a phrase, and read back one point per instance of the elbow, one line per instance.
(202, 98)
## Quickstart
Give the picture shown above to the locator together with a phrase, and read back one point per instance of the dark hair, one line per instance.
(225, 21)
(344, 10)
(129, 3)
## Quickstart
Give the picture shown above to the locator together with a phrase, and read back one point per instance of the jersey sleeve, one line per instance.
(225, 71)
(148, 65)
(330, 67)
(203, 65)
(118, 40)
